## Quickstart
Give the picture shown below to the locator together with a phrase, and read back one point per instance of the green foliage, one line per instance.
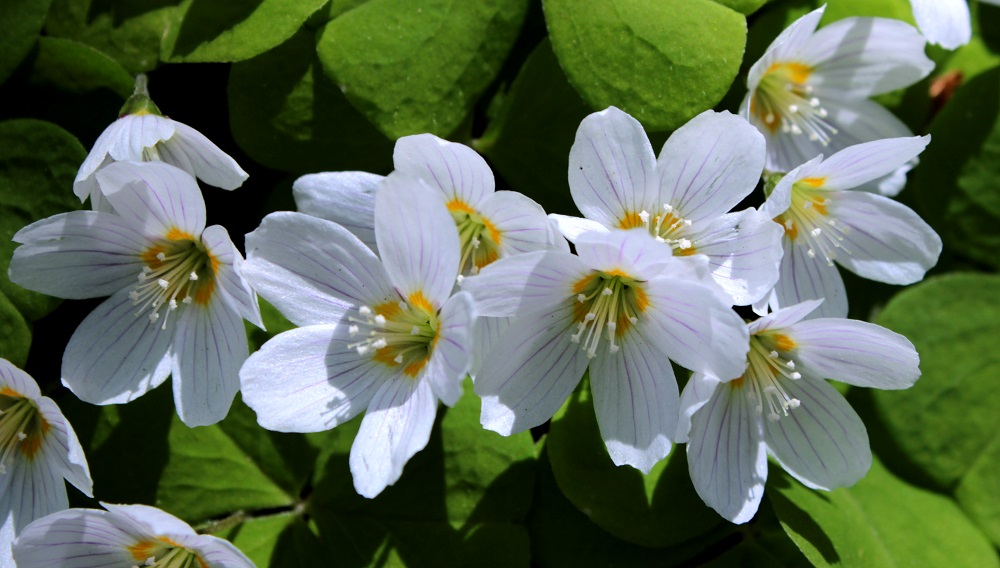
(15, 334)
(662, 62)
(77, 68)
(23, 20)
(840, 9)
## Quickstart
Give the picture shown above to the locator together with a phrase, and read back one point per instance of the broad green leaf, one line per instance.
(840, 9)
(881, 521)
(23, 20)
(38, 162)
(130, 31)
(413, 68)
(288, 116)
(15, 335)
(78, 68)
(662, 62)
(947, 424)
(746, 7)
(235, 30)
(278, 541)
(657, 510)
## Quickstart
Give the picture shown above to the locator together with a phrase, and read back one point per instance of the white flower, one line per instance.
(38, 448)
(385, 337)
(683, 197)
(827, 219)
(123, 536)
(624, 307)
(142, 133)
(809, 93)
(177, 297)
(945, 22)
(782, 406)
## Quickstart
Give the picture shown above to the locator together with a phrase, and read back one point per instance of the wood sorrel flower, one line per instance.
(945, 22)
(177, 295)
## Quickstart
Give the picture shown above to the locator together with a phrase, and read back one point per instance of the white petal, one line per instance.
(17, 380)
(138, 132)
(636, 400)
(726, 454)
(63, 449)
(85, 184)
(35, 488)
(487, 334)
(862, 163)
(234, 289)
(709, 165)
(804, 278)
(822, 443)
(416, 237)
(452, 355)
(206, 161)
(634, 252)
(218, 552)
(454, 169)
(156, 198)
(309, 380)
(744, 250)
(346, 198)
(311, 269)
(531, 372)
(146, 520)
(525, 283)
(81, 254)
(943, 22)
(855, 352)
(781, 196)
(611, 167)
(862, 57)
(858, 121)
(397, 425)
(572, 227)
(115, 356)
(784, 317)
(78, 538)
(697, 392)
(522, 223)
(786, 46)
(884, 240)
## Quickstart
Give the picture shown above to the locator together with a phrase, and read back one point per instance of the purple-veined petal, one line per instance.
(206, 161)
(862, 163)
(138, 132)
(784, 317)
(611, 168)
(309, 380)
(115, 355)
(77, 538)
(883, 239)
(220, 553)
(822, 442)
(744, 251)
(85, 184)
(636, 401)
(454, 169)
(62, 447)
(525, 283)
(781, 196)
(148, 521)
(232, 287)
(855, 352)
(709, 165)
(17, 380)
(726, 454)
(210, 345)
(156, 198)
(311, 269)
(522, 223)
(452, 355)
(573, 227)
(80, 254)
(417, 239)
(697, 392)
(809, 278)
(346, 198)
(786, 46)
(487, 334)
(397, 425)
(634, 252)
(943, 22)
(531, 372)
(35, 489)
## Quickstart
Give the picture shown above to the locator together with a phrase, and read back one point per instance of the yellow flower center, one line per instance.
(164, 553)
(22, 427)
(607, 304)
(784, 100)
(768, 363)
(179, 270)
(397, 334)
(807, 221)
(479, 238)
(666, 225)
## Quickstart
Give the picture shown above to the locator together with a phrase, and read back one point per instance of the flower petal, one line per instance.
(573, 227)
(156, 198)
(726, 454)
(943, 22)
(744, 251)
(524, 283)
(780, 198)
(77, 538)
(522, 223)
(884, 240)
(417, 239)
(309, 380)
(855, 352)
(785, 317)
(636, 400)
(201, 158)
(709, 165)
(85, 184)
(232, 286)
(786, 46)
(862, 163)
(35, 488)
(454, 169)
(311, 269)
(80, 254)
(452, 355)
(611, 168)
(487, 333)
(17, 380)
(531, 373)
(698, 391)
(138, 132)
(822, 443)
(805, 278)
(346, 198)
(397, 425)
(634, 252)
(63, 449)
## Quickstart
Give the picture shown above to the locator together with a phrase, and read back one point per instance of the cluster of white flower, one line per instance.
(403, 285)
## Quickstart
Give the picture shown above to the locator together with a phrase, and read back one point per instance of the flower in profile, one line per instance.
(782, 406)
(122, 536)
(683, 197)
(177, 295)
(624, 308)
(827, 220)
(383, 335)
(143, 134)
(808, 94)
(38, 448)
(945, 22)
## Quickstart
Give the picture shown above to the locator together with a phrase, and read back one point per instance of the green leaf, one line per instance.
(23, 20)
(662, 62)
(78, 68)
(15, 335)
(946, 424)
(130, 31)
(657, 510)
(881, 521)
(288, 116)
(746, 7)
(528, 142)
(278, 541)
(419, 68)
(840, 9)
(38, 162)
(235, 30)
